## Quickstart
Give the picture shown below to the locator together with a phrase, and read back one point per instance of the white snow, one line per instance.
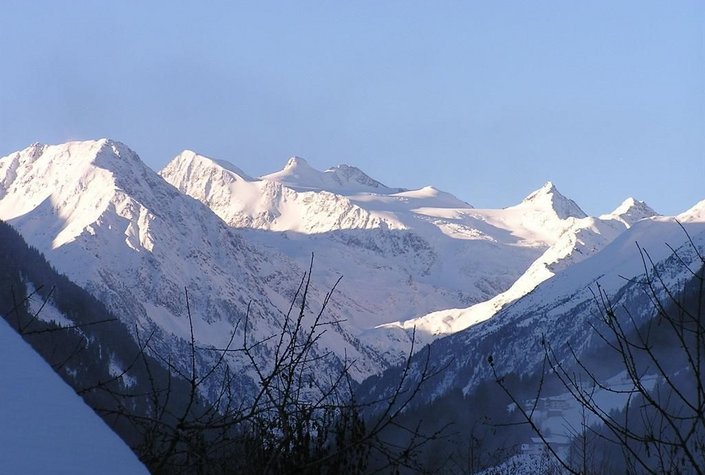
(631, 211)
(489, 258)
(244, 202)
(45, 427)
(410, 258)
(43, 308)
(340, 179)
(693, 215)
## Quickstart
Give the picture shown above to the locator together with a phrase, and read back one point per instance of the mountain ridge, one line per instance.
(439, 222)
(135, 239)
(131, 239)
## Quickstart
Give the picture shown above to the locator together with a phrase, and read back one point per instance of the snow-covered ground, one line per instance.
(562, 415)
(45, 427)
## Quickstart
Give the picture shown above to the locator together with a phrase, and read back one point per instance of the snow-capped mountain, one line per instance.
(548, 197)
(403, 253)
(472, 282)
(136, 242)
(116, 228)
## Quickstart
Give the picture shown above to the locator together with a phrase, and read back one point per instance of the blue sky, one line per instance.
(487, 100)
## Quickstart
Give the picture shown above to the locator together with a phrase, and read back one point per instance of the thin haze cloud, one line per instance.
(482, 99)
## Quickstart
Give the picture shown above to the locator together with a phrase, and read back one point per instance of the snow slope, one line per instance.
(46, 427)
(582, 238)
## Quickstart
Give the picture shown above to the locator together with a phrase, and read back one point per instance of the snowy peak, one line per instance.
(244, 202)
(72, 152)
(631, 211)
(296, 162)
(35, 150)
(295, 168)
(547, 189)
(31, 176)
(116, 149)
(548, 198)
(431, 196)
(346, 175)
(193, 156)
(341, 179)
(696, 214)
(297, 172)
(63, 189)
(193, 166)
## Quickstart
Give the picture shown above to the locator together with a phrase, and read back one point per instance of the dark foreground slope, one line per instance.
(84, 343)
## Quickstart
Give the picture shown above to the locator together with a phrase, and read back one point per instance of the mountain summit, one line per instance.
(346, 175)
(631, 211)
(345, 179)
(549, 199)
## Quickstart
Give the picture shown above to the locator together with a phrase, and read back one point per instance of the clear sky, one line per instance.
(485, 99)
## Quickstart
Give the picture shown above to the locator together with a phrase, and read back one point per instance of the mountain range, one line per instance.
(470, 282)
